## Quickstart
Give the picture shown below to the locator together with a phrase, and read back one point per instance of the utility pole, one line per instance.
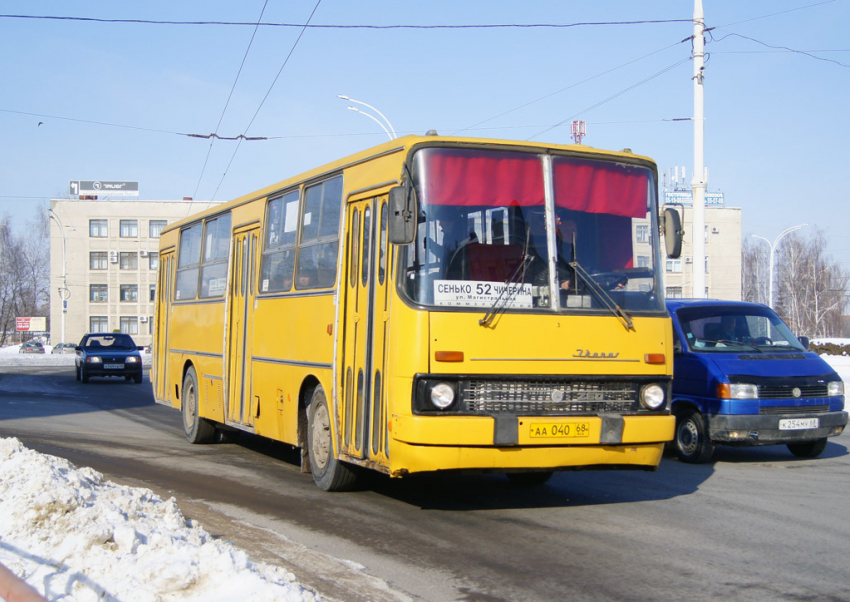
(699, 179)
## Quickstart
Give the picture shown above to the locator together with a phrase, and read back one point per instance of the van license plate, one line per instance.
(556, 429)
(798, 424)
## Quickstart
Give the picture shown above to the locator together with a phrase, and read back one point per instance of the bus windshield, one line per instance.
(492, 232)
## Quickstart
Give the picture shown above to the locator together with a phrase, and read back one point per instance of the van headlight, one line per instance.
(835, 388)
(652, 397)
(737, 391)
(442, 395)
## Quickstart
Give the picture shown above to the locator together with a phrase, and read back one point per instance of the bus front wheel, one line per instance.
(329, 473)
(197, 429)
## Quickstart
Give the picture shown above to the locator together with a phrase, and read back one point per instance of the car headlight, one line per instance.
(737, 391)
(442, 395)
(93, 360)
(652, 397)
(835, 388)
(131, 360)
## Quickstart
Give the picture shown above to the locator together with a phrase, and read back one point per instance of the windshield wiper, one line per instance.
(510, 287)
(601, 294)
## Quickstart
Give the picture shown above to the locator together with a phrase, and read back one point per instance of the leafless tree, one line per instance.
(810, 286)
(24, 273)
(755, 275)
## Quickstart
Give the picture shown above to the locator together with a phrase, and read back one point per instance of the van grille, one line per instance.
(787, 391)
(793, 410)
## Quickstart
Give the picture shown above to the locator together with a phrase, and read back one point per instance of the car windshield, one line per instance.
(494, 230)
(735, 329)
(110, 341)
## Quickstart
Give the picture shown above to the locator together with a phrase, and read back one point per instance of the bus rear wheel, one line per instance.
(329, 473)
(197, 429)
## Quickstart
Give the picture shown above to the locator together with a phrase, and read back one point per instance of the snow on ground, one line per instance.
(72, 535)
(75, 536)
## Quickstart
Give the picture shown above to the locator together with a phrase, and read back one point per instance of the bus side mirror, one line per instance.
(671, 225)
(403, 213)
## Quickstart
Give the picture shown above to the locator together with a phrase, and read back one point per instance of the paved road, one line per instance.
(757, 524)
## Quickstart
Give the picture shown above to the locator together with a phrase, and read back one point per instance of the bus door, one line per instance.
(163, 318)
(363, 408)
(241, 406)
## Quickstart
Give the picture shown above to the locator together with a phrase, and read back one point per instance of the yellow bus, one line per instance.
(432, 303)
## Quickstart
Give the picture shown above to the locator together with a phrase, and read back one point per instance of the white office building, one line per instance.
(104, 256)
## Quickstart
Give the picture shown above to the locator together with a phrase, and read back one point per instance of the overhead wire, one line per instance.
(257, 112)
(215, 135)
(612, 97)
(784, 48)
(576, 84)
(353, 26)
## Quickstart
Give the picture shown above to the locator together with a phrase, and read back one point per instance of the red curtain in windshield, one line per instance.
(600, 187)
(491, 179)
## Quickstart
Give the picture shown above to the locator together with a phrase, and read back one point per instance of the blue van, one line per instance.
(740, 377)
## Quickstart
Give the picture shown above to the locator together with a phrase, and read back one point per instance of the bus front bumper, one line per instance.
(424, 443)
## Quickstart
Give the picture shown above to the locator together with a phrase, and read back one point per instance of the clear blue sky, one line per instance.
(777, 128)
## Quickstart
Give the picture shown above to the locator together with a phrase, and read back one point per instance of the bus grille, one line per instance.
(549, 397)
(787, 391)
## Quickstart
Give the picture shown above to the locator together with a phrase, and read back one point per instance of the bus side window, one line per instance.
(319, 242)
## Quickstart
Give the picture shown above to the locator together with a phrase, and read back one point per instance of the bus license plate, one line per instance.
(552, 430)
(113, 366)
(798, 424)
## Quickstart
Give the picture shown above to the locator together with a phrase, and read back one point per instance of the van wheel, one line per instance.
(692, 442)
(197, 429)
(809, 449)
(329, 473)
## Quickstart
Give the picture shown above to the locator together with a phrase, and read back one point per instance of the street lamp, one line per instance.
(772, 250)
(64, 293)
(392, 136)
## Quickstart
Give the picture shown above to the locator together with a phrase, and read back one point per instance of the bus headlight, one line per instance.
(652, 397)
(835, 388)
(442, 395)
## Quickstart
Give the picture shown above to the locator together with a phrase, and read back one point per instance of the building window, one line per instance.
(674, 265)
(153, 261)
(156, 226)
(129, 324)
(150, 325)
(98, 228)
(153, 293)
(98, 324)
(129, 228)
(642, 233)
(98, 260)
(98, 293)
(643, 261)
(129, 261)
(674, 292)
(129, 292)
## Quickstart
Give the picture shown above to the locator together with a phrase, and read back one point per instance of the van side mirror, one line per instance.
(671, 225)
(805, 342)
(401, 228)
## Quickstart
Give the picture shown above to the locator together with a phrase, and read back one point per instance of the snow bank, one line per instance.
(76, 537)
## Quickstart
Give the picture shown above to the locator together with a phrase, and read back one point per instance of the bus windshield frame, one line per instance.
(506, 228)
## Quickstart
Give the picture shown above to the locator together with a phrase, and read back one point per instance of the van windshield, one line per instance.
(735, 329)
